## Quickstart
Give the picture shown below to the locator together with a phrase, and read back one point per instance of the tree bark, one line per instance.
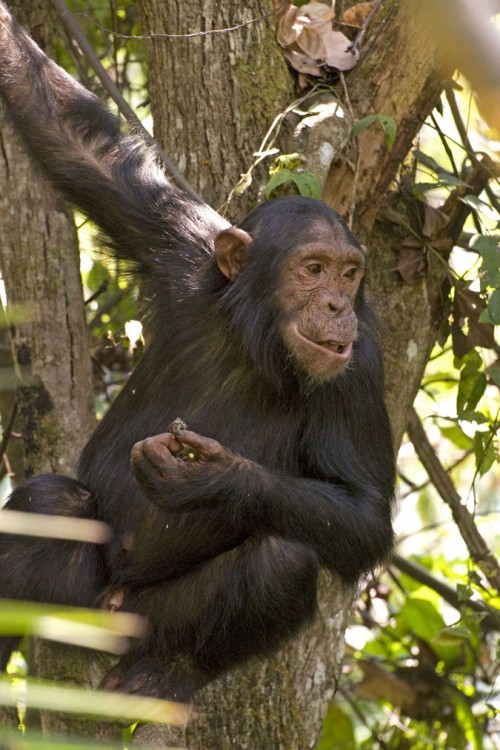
(214, 95)
(39, 263)
(279, 703)
(40, 266)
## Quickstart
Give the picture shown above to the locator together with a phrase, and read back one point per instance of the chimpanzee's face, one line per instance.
(317, 290)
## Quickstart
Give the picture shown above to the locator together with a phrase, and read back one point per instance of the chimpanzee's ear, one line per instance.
(231, 250)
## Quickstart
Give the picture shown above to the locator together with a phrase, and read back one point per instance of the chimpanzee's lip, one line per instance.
(335, 349)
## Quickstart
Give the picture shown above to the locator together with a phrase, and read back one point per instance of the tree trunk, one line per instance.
(279, 703)
(40, 266)
(39, 263)
(214, 96)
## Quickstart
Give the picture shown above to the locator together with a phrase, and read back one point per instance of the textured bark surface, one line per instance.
(400, 75)
(40, 266)
(280, 703)
(214, 96)
(39, 263)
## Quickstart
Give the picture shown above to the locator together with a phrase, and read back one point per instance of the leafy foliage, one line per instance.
(386, 123)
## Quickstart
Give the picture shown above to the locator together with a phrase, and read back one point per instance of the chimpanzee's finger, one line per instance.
(155, 452)
(207, 447)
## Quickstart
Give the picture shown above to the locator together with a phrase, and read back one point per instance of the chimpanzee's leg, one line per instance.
(45, 569)
(241, 603)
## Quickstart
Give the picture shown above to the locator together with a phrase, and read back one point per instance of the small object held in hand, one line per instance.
(186, 453)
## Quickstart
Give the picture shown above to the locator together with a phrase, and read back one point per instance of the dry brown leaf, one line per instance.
(318, 13)
(468, 306)
(412, 262)
(310, 43)
(287, 31)
(302, 63)
(434, 221)
(338, 54)
(357, 15)
(307, 35)
(380, 684)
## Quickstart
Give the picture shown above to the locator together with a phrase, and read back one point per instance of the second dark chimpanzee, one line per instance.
(260, 338)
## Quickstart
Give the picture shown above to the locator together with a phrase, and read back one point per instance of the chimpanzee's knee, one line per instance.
(269, 595)
(289, 575)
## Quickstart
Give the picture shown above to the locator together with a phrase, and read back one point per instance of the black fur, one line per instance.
(226, 567)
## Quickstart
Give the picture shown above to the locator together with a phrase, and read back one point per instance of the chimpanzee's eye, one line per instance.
(314, 268)
(351, 273)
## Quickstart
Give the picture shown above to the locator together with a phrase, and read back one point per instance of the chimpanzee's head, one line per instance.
(296, 271)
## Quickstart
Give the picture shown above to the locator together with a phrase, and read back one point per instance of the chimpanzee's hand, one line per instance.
(179, 473)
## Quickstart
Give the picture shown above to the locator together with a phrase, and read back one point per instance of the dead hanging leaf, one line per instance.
(467, 308)
(309, 40)
(412, 260)
(434, 221)
(302, 63)
(358, 14)
(287, 31)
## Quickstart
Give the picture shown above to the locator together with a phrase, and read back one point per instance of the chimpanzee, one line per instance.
(260, 338)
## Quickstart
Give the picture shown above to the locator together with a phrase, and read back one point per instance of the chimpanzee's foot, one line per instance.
(155, 678)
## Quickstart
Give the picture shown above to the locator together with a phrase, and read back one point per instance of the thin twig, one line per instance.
(444, 140)
(422, 575)
(418, 487)
(359, 37)
(74, 30)
(192, 35)
(352, 204)
(478, 549)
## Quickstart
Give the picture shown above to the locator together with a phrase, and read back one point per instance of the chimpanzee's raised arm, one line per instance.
(113, 178)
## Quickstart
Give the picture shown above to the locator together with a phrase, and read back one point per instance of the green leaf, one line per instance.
(422, 619)
(452, 636)
(484, 451)
(472, 383)
(450, 179)
(464, 592)
(337, 731)
(494, 374)
(469, 415)
(489, 272)
(427, 161)
(479, 205)
(485, 317)
(386, 122)
(279, 178)
(469, 724)
(364, 123)
(307, 183)
(456, 436)
(494, 307)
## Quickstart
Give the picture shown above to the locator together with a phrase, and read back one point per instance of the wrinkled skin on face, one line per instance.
(317, 291)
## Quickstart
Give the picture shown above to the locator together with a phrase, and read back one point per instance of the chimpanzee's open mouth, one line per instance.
(333, 346)
(336, 348)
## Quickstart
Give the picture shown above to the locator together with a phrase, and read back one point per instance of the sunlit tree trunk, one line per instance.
(211, 120)
(39, 263)
(40, 267)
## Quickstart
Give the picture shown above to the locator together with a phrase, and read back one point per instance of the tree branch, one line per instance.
(422, 575)
(478, 549)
